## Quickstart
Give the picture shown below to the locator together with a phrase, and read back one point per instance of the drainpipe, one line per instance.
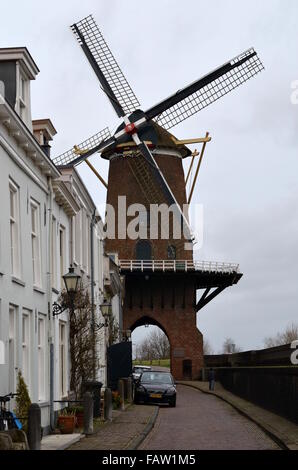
(92, 224)
(50, 302)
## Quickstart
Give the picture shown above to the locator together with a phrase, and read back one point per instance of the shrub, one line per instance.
(23, 401)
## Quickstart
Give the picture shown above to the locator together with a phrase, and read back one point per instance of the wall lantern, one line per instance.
(71, 281)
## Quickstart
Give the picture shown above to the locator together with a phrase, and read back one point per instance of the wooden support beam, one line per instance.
(173, 296)
(141, 297)
(204, 301)
(198, 140)
(190, 167)
(197, 170)
(183, 295)
(96, 173)
(206, 291)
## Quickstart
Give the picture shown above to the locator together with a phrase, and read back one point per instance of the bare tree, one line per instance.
(207, 348)
(287, 336)
(82, 340)
(159, 344)
(230, 347)
(155, 346)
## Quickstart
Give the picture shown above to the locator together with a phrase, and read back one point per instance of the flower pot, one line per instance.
(66, 424)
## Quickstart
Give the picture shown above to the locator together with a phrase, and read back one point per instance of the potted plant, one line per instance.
(79, 410)
(67, 421)
(116, 400)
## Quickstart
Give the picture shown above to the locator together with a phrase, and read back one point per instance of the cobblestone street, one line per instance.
(121, 432)
(202, 421)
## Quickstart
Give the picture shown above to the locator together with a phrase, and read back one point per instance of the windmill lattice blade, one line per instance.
(68, 157)
(106, 62)
(209, 88)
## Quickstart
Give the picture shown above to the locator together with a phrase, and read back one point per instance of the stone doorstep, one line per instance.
(60, 441)
(277, 427)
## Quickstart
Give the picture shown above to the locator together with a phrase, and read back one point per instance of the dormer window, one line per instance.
(17, 70)
(23, 98)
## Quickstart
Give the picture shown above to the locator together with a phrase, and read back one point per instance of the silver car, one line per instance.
(138, 370)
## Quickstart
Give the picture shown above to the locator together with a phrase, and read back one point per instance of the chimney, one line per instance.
(44, 132)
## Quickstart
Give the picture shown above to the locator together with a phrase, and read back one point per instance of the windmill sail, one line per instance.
(105, 66)
(83, 150)
(206, 90)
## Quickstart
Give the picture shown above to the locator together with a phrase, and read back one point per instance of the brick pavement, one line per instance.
(283, 430)
(202, 421)
(125, 429)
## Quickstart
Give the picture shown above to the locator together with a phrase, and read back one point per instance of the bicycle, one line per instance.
(8, 419)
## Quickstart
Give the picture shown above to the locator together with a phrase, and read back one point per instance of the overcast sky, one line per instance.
(248, 181)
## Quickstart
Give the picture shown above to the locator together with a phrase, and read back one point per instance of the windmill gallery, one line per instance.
(162, 279)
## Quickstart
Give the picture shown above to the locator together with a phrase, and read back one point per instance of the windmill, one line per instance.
(145, 164)
(139, 129)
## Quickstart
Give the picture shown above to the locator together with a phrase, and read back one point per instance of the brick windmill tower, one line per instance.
(162, 280)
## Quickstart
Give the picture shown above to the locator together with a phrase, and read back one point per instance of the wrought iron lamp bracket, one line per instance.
(58, 309)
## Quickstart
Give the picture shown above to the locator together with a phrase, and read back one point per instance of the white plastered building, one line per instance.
(47, 222)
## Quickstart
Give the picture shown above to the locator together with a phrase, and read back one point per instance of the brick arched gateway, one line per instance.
(183, 347)
(156, 301)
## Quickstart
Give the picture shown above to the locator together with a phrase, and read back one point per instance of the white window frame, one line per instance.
(23, 95)
(78, 239)
(54, 253)
(88, 244)
(14, 217)
(62, 359)
(26, 347)
(84, 241)
(41, 351)
(35, 242)
(12, 346)
(62, 253)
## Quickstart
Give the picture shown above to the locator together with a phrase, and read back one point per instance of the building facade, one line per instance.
(48, 222)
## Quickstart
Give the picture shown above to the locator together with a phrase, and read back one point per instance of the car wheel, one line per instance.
(172, 403)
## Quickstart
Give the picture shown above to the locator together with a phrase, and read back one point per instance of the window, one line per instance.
(12, 347)
(41, 357)
(78, 237)
(143, 250)
(35, 242)
(26, 346)
(85, 240)
(62, 359)
(62, 254)
(54, 253)
(23, 98)
(88, 246)
(14, 230)
(171, 252)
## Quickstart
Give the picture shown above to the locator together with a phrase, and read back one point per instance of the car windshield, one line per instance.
(140, 369)
(156, 378)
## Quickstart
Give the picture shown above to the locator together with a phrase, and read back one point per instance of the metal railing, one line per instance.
(177, 265)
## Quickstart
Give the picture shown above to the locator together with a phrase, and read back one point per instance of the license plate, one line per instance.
(155, 395)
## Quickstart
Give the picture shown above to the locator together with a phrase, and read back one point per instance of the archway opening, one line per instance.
(150, 344)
